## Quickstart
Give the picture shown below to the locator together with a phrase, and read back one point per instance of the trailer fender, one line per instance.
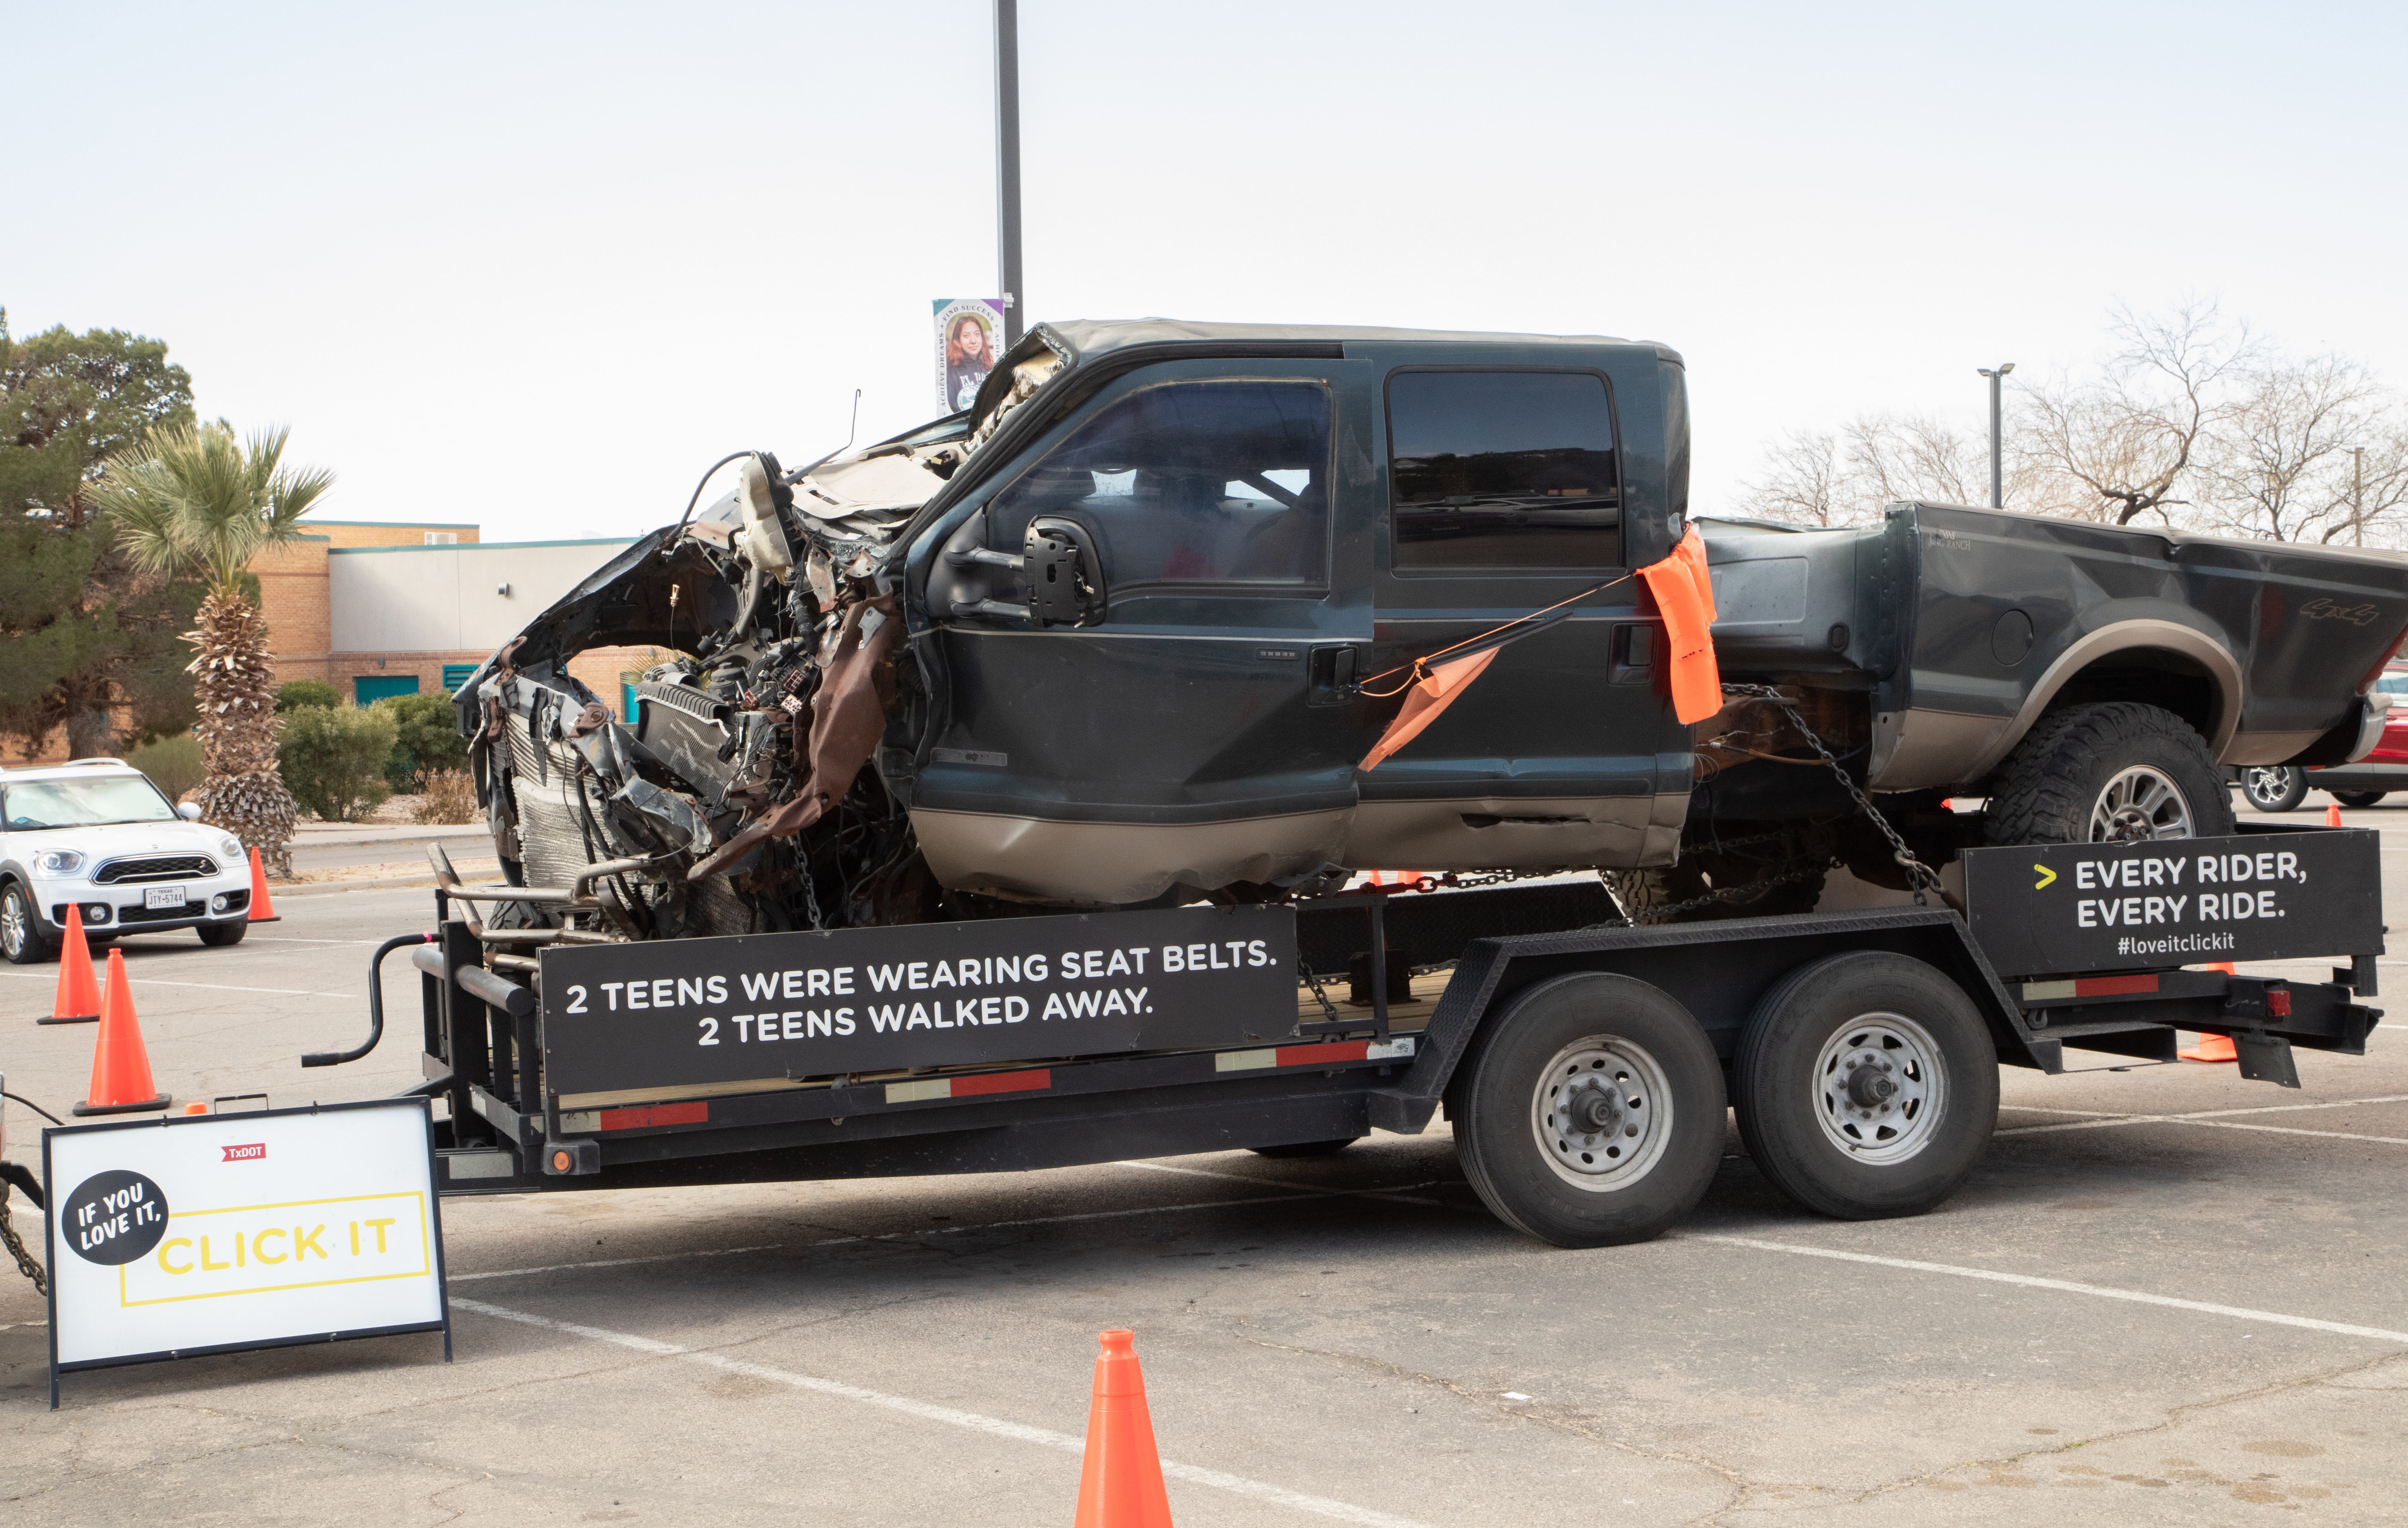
(1717, 970)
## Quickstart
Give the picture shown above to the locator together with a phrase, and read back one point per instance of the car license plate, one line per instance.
(163, 896)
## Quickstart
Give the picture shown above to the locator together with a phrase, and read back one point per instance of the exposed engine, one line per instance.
(737, 801)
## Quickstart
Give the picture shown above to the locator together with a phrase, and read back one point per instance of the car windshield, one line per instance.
(86, 802)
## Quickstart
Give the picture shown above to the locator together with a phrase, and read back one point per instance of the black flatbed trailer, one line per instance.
(1584, 1062)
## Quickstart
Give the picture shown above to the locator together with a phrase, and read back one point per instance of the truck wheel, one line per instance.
(2275, 787)
(1592, 1112)
(2111, 772)
(2356, 798)
(21, 933)
(1867, 1086)
(1305, 1149)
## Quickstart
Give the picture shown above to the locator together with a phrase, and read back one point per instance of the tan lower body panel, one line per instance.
(1567, 833)
(1104, 863)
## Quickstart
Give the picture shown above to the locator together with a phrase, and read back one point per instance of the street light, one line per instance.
(1007, 162)
(1998, 476)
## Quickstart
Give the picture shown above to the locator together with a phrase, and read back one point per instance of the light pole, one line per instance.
(1007, 162)
(2357, 495)
(1998, 474)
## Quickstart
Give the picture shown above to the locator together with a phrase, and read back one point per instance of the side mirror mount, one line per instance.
(1066, 578)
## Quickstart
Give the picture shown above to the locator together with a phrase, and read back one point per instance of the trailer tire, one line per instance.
(1864, 1154)
(1609, 1052)
(1305, 1149)
(2109, 772)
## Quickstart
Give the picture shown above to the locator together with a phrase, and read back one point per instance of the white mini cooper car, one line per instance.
(98, 835)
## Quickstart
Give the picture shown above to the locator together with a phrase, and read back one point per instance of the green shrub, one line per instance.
(173, 764)
(428, 740)
(306, 693)
(333, 760)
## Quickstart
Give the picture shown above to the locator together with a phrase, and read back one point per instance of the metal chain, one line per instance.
(810, 893)
(1920, 878)
(1328, 1009)
(26, 1264)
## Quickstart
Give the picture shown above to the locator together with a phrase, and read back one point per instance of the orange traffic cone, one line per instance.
(78, 999)
(2213, 1048)
(263, 906)
(121, 1069)
(2332, 814)
(1120, 1486)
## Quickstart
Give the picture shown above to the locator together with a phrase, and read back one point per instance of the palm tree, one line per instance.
(193, 501)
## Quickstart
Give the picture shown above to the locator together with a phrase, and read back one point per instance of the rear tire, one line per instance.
(219, 935)
(1305, 1149)
(2275, 787)
(1867, 1086)
(1591, 1112)
(2356, 798)
(2112, 772)
(20, 931)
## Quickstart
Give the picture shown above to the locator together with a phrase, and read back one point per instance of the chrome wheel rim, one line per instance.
(2264, 785)
(12, 925)
(1879, 1088)
(2139, 804)
(1603, 1113)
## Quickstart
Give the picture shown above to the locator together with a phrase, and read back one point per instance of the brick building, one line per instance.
(381, 608)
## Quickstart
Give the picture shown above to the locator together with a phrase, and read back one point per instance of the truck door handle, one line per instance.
(1334, 666)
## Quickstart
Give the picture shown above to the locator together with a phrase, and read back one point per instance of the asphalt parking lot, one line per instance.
(2167, 1296)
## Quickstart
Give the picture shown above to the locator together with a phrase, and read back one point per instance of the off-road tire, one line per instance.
(1639, 892)
(2274, 788)
(1305, 1149)
(1799, 1125)
(2048, 788)
(21, 930)
(220, 935)
(1496, 1107)
(2359, 798)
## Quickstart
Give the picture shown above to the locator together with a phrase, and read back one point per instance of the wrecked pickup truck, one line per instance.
(997, 804)
(1105, 639)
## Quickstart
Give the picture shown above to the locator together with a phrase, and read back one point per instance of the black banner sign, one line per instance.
(2048, 908)
(680, 1011)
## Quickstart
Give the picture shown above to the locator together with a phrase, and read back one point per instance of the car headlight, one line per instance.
(230, 846)
(57, 862)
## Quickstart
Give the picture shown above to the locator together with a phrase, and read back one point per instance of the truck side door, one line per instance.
(1199, 735)
(1514, 482)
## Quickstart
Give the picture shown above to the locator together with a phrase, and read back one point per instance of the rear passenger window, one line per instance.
(1502, 469)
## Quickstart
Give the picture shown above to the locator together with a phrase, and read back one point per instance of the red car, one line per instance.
(2279, 787)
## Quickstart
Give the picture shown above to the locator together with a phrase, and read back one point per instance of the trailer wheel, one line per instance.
(1867, 1086)
(2111, 772)
(1591, 1112)
(1305, 1149)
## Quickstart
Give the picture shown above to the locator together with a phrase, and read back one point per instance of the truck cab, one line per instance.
(1279, 521)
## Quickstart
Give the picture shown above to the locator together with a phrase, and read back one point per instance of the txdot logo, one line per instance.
(255, 1152)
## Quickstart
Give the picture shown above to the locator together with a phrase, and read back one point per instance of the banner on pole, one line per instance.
(216, 1233)
(969, 333)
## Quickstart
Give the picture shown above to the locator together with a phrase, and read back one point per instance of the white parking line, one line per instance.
(2066, 1286)
(1262, 1491)
(2100, 1119)
(206, 986)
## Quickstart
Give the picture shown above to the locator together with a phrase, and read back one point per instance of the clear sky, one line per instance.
(535, 266)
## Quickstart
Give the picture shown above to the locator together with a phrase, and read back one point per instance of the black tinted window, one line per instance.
(1191, 482)
(1502, 469)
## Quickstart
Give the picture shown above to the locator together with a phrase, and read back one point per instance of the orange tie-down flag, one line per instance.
(1683, 593)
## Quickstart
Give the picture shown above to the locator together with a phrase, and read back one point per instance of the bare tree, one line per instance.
(1801, 482)
(2126, 440)
(2279, 465)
